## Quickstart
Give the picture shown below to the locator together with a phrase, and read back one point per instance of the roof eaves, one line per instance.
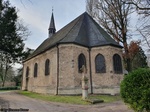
(109, 44)
(32, 56)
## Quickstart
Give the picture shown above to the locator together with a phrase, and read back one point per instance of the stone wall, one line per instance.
(148, 60)
(69, 77)
(105, 82)
(41, 83)
(8, 84)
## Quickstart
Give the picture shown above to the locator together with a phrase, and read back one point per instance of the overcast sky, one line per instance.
(36, 15)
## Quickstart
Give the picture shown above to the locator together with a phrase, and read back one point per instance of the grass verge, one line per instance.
(10, 88)
(4, 90)
(69, 99)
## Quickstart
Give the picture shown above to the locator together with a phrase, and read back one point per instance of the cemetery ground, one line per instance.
(50, 103)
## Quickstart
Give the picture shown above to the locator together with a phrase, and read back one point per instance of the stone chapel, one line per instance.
(55, 66)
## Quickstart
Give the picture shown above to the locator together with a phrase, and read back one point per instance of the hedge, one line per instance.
(135, 90)
(10, 88)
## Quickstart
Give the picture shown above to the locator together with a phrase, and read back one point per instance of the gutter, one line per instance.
(22, 77)
(57, 79)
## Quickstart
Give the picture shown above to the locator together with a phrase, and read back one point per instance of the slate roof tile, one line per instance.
(83, 31)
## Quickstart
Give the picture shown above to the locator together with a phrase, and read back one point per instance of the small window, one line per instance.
(35, 69)
(117, 63)
(47, 63)
(81, 62)
(27, 72)
(100, 64)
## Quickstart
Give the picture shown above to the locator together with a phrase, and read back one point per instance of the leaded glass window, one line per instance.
(100, 64)
(117, 63)
(35, 69)
(27, 72)
(47, 69)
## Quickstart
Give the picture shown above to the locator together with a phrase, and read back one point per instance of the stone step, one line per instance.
(94, 101)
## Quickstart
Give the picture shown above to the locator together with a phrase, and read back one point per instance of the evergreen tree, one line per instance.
(140, 60)
(11, 38)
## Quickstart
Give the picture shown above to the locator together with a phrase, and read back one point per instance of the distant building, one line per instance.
(55, 66)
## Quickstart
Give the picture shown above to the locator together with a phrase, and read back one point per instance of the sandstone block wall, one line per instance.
(41, 83)
(108, 80)
(8, 84)
(69, 77)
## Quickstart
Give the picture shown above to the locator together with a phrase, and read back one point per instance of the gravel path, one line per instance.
(13, 100)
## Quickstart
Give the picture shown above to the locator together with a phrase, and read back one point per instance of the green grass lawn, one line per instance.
(4, 90)
(106, 98)
(7, 90)
(69, 99)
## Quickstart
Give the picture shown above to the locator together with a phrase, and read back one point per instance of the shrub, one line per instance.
(9, 88)
(135, 89)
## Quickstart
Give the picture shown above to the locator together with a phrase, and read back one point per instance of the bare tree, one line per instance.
(24, 4)
(113, 15)
(91, 7)
(142, 7)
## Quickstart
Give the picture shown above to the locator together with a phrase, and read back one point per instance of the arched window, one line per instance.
(100, 64)
(47, 63)
(35, 69)
(27, 72)
(117, 63)
(81, 61)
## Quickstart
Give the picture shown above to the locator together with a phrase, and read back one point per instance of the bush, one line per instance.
(9, 88)
(135, 89)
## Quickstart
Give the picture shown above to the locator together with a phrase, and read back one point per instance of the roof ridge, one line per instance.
(83, 19)
(83, 30)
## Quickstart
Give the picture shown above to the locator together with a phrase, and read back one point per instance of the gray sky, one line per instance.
(36, 16)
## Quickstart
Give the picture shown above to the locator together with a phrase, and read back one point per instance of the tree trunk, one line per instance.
(128, 65)
(3, 83)
(147, 110)
(128, 60)
(5, 74)
(4, 78)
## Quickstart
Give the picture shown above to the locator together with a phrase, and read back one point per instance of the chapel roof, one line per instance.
(82, 31)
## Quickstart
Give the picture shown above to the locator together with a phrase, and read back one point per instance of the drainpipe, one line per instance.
(22, 77)
(57, 80)
(91, 85)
